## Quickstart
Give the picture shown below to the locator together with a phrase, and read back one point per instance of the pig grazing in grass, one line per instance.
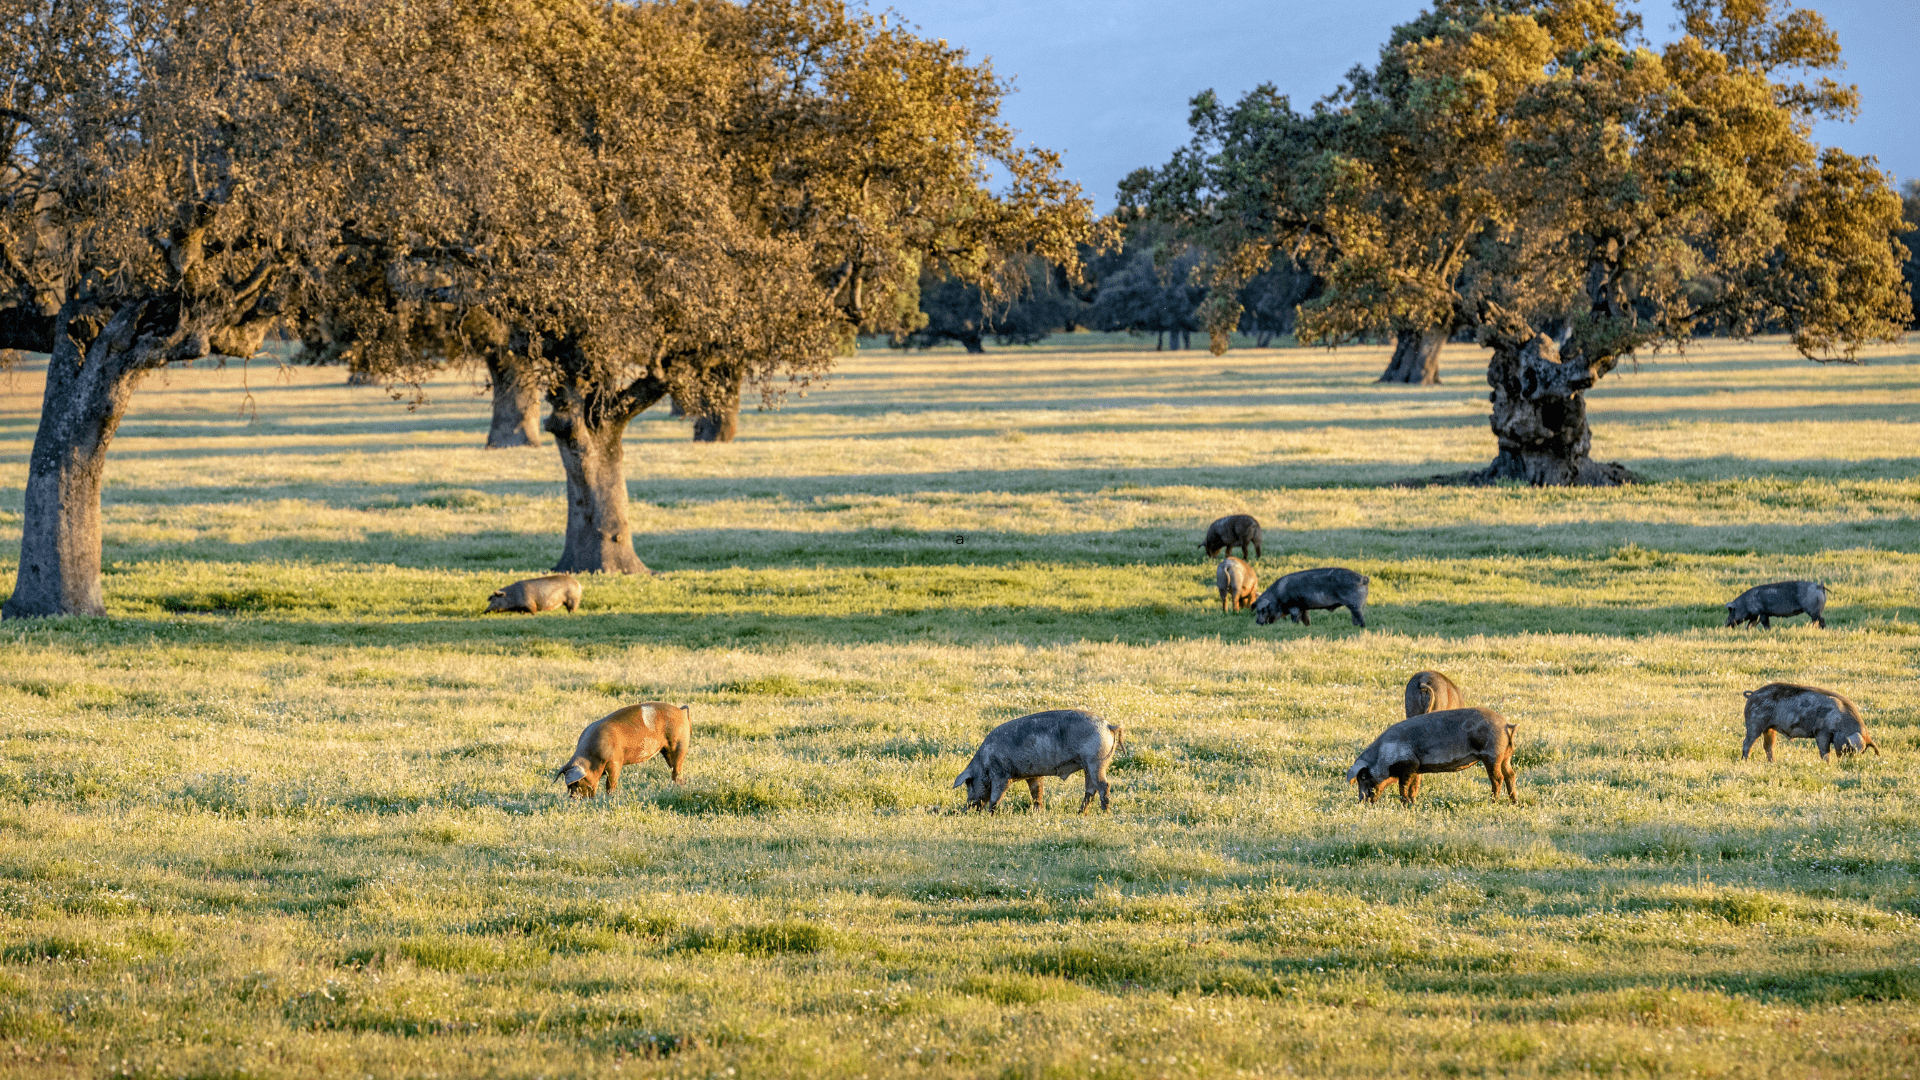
(1764, 603)
(1059, 742)
(1444, 741)
(627, 736)
(1323, 589)
(1805, 712)
(1237, 584)
(538, 595)
(1238, 530)
(1430, 691)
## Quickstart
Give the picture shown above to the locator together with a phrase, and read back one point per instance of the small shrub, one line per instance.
(240, 601)
(758, 797)
(1020, 989)
(765, 939)
(456, 499)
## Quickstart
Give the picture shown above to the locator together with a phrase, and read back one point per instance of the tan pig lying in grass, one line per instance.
(627, 736)
(538, 595)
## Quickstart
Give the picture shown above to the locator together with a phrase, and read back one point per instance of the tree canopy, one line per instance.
(1534, 172)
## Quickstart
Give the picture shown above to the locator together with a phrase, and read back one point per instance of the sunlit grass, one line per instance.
(291, 808)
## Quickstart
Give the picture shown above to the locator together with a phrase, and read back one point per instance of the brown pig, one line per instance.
(627, 736)
(1430, 691)
(1237, 584)
(538, 595)
(1805, 712)
(1224, 535)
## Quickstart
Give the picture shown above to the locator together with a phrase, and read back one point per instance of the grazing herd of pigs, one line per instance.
(1440, 734)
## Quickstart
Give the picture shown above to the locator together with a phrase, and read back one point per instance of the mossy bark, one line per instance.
(516, 405)
(89, 383)
(1416, 357)
(1540, 420)
(718, 418)
(587, 429)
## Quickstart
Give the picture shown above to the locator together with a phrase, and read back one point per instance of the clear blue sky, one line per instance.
(1106, 82)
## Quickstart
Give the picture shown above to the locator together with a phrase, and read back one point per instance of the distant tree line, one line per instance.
(1146, 283)
(1911, 238)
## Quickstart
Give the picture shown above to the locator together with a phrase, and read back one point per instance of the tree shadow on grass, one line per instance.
(595, 633)
(1274, 477)
(1286, 550)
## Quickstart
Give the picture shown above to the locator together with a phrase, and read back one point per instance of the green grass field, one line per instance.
(289, 811)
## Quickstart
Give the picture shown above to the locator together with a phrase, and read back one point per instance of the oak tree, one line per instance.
(1583, 199)
(169, 172)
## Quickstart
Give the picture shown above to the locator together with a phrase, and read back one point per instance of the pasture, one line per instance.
(289, 811)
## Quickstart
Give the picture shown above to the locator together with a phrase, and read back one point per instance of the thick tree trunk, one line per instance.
(599, 537)
(88, 388)
(1416, 357)
(1540, 419)
(718, 402)
(973, 343)
(516, 404)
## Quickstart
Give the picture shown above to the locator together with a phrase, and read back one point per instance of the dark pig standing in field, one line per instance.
(1237, 584)
(1430, 691)
(1238, 530)
(1323, 589)
(1059, 742)
(538, 595)
(1805, 712)
(1763, 603)
(627, 736)
(1435, 742)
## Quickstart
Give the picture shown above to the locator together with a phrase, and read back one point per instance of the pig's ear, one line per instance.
(1353, 774)
(962, 778)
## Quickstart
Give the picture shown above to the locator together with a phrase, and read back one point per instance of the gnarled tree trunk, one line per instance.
(89, 383)
(516, 404)
(587, 429)
(1416, 357)
(1540, 419)
(719, 417)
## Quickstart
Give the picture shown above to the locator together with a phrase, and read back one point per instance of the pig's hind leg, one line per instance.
(1037, 788)
(1497, 771)
(1359, 613)
(1768, 742)
(1096, 785)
